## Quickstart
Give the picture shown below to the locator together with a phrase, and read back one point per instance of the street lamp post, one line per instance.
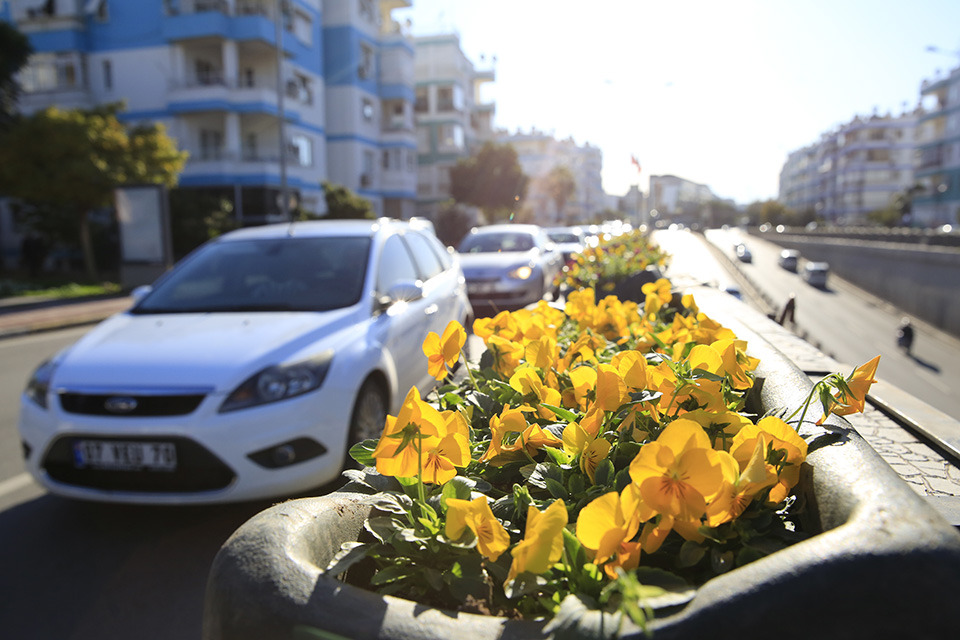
(281, 113)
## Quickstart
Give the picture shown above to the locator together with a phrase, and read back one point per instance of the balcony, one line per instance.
(245, 20)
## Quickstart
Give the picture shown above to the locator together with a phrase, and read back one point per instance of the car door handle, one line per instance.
(432, 309)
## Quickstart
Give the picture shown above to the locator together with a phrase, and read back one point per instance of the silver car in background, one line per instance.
(570, 241)
(508, 266)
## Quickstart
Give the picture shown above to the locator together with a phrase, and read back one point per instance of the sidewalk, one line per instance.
(21, 316)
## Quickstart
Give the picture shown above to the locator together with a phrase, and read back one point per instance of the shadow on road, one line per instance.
(78, 570)
(923, 363)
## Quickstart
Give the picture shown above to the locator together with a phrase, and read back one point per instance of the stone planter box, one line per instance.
(886, 564)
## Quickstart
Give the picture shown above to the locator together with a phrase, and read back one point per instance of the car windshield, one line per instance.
(276, 274)
(495, 242)
(563, 237)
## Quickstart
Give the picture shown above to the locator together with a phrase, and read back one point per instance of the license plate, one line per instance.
(125, 456)
(482, 287)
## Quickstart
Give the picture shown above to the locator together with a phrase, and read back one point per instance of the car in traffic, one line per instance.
(247, 370)
(815, 273)
(743, 253)
(508, 266)
(569, 241)
(789, 259)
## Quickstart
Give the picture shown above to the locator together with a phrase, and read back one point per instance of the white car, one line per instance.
(815, 273)
(248, 370)
(569, 241)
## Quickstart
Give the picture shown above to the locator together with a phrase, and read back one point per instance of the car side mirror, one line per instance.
(404, 291)
(141, 292)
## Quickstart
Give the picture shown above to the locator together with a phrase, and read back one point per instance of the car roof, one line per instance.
(511, 228)
(817, 266)
(315, 228)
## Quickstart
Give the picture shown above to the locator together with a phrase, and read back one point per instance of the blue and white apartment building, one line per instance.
(938, 169)
(218, 77)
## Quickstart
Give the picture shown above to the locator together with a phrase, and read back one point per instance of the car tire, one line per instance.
(369, 415)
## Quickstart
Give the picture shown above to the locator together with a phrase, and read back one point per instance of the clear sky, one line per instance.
(714, 91)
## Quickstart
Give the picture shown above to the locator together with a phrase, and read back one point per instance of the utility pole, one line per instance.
(281, 113)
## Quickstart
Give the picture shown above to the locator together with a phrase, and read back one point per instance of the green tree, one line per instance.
(490, 179)
(196, 217)
(65, 164)
(344, 204)
(15, 49)
(453, 222)
(560, 186)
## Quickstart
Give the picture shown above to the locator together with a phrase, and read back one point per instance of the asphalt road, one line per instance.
(853, 326)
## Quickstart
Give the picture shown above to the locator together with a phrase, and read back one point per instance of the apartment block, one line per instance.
(938, 144)
(853, 170)
(538, 154)
(451, 117)
(675, 199)
(267, 96)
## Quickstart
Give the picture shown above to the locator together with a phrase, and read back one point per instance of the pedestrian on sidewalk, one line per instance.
(788, 311)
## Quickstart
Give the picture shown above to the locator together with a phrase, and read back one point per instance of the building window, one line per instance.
(301, 148)
(248, 78)
(207, 73)
(211, 144)
(411, 160)
(366, 175)
(365, 69)
(368, 11)
(450, 98)
(422, 103)
(107, 75)
(250, 146)
(450, 137)
(303, 27)
(51, 72)
(367, 109)
(423, 139)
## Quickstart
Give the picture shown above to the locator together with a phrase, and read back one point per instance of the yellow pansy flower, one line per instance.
(441, 462)
(678, 471)
(542, 543)
(782, 442)
(611, 389)
(859, 382)
(417, 428)
(476, 515)
(506, 354)
(740, 486)
(607, 526)
(632, 366)
(443, 352)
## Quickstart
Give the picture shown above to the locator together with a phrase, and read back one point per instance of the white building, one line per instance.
(672, 198)
(938, 144)
(452, 120)
(212, 72)
(854, 170)
(538, 154)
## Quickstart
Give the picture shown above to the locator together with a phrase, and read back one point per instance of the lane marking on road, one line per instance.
(15, 483)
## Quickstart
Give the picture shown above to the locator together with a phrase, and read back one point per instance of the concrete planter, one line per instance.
(885, 565)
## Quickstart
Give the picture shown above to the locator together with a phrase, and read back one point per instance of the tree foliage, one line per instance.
(15, 49)
(66, 163)
(344, 204)
(453, 222)
(560, 187)
(196, 216)
(491, 179)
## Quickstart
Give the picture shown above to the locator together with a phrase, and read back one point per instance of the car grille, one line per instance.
(197, 469)
(96, 404)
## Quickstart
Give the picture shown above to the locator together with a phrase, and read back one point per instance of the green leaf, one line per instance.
(558, 456)
(350, 553)
(459, 488)
(561, 412)
(434, 578)
(577, 483)
(691, 553)
(391, 503)
(383, 528)
(604, 473)
(523, 584)
(391, 574)
(452, 399)
(556, 489)
(362, 452)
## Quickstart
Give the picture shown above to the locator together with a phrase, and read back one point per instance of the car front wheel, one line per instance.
(369, 413)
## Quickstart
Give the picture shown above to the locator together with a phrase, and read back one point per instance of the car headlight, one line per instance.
(39, 384)
(279, 383)
(521, 273)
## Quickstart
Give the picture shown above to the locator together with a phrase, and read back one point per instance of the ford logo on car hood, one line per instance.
(120, 404)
